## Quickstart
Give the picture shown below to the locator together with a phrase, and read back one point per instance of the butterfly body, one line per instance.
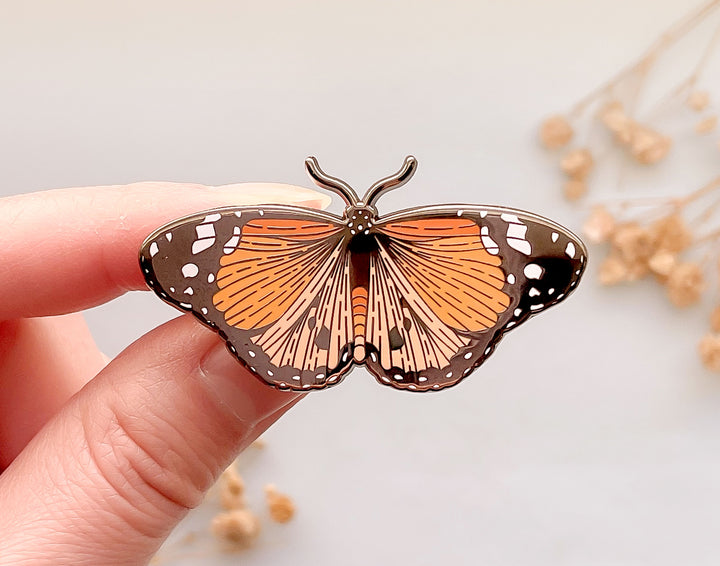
(420, 297)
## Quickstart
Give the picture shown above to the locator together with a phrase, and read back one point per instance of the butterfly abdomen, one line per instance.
(359, 303)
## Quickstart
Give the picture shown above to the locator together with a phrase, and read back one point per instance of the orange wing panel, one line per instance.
(273, 263)
(446, 263)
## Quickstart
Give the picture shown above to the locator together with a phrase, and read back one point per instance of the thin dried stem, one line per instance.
(689, 82)
(705, 189)
(645, 62)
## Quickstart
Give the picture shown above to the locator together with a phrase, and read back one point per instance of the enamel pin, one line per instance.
(421, 297)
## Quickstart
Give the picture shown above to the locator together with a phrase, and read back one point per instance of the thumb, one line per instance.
(106, 480)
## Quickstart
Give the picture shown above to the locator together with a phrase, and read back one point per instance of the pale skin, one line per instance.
(100, 459)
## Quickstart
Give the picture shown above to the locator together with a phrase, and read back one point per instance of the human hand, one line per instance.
(99, 461)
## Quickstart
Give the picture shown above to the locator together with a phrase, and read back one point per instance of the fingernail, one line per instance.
(267, 193)
(242, 392)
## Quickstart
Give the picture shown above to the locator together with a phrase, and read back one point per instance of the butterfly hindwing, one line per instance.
(272, 280)
(453, 281)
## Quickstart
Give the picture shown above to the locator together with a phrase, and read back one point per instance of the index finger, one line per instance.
(70, 249)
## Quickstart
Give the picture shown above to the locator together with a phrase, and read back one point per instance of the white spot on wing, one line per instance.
(570, 249)
(534, 292)
(554, 236)
(231, 244)
(489, 244)
(511, 279)
(190, 270)
(211, 277)
(153, 249)
(188, 291)
(523, 246)
(201, 245)
(533, 271)
(517, 231)
(205, 230)
(212, 217)
(516, 234)
(169, 236)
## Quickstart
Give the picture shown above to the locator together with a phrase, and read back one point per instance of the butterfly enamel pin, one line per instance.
(421, 297)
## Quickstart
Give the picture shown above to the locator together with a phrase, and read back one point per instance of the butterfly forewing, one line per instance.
(447, 282)
(273, 280)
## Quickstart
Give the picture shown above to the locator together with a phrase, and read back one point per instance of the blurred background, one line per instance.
(590, 437)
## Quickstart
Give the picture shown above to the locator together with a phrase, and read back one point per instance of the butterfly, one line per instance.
(421, 297)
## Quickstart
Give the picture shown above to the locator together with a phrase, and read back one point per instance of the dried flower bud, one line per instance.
(239, 527)
(615, 119)
(637, 271)
(662, 263)
(634, 242)
(577, 163)
(671, 234)
(709, 349)
(232, 489)
(613, 116)
(648, 146)
(555, 132)
(698, 100)
(685, 284)
(613, 270)
(574, 189)
(706, 125)
(281, 507)
(600, 225)
(715, 319)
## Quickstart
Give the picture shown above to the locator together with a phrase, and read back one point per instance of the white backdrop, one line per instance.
(590, 437)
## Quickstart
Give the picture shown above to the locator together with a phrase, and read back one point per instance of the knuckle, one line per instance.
(147, 491)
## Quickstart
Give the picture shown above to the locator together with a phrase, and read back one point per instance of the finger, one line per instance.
(43, 362)
(70, 249)
(108, 478)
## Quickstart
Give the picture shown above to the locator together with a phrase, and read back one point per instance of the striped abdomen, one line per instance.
(359, 315)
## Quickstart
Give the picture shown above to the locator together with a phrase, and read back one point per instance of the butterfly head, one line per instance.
(364, 207)
(360, 218)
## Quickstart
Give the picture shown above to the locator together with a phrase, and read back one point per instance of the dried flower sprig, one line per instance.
(664, 244)
(613, 107)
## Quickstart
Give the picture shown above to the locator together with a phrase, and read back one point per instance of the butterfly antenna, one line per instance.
(393, 181)
(325, 181)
